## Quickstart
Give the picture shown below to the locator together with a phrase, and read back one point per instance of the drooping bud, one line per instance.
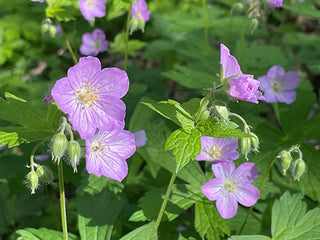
(32, 181)
(254, 142)
(44, 174)
(74, 154)
(286, 160)
(298, 169)
(205, 115)
(137, 24)
(245, 145)
(222, 111)
(52, 31)
(59, 146)
(254, 24)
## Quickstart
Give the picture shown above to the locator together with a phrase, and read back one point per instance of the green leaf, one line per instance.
(42, 234)
(186, 146)
(193, 79)
(219, 129)
(251, 237)
(291, 221)
(97, 215)
(143, 232)
(119, 44)
(173, 111)
(305, 8)
(32, 126)
(182, 197)
(209, 223)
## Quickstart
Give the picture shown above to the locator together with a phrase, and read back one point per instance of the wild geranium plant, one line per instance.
(192, 128)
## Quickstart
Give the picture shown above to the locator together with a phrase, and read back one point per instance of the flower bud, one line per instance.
(254, 142)
(254, 24)
(205, 115)
(298, 169)
(245, 145)
(237, 8)
(44, 175)
(74, 153)
(137, 24)
(222, 111)
(59, 145)
(45, 27)
(52, 31)
(33, 181)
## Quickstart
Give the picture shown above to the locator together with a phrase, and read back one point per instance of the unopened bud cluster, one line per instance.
(36, 177)
(297, 166)
(61, 146)
(247, 144)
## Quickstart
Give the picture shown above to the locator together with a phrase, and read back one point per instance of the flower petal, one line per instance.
(227, 206)
(291, 81)
(287, 97)
(229, 63)
(223, 169)
(247, 195)
(122, 142)
(245, 173)
(276, 73)
(80, 74)
(64, 95)
(111, 82)
(212, 189)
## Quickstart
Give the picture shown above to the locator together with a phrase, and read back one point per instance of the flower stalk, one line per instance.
(62, 202)
(163, 206)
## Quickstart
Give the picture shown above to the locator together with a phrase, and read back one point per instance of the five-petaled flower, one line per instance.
(232, 186)
(92, 8)
(242, 86)
(91, 96)
(279, 86)
(218, 149)
(107, 151)
(93, 43)
(275, 3)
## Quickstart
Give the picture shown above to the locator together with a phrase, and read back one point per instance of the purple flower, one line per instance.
(218, 149)
(93, 43)
(3, 147)
(92, 8)
(278, 86)
(139, 10)
(58, 29)
(47, 99)
(107, 151)
(36, 0)
(91, 96)
(231, 186)
(42, 157)
(275, 3)
(140, 138)
(242, 86)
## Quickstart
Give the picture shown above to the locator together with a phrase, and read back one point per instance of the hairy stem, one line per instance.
(163, 206)
(71, 52)
(62, 202)
(263, 181)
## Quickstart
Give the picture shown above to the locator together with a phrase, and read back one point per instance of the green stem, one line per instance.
(127, 41)
(32, 163)
(276, 111)
(263, 181)
(62, 202)
(206, 21)
(163, 206)
(71, 52)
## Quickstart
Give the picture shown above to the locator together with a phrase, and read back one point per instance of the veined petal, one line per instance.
(223, 169)
(64, 95)
(245, 173)
(212, 189)
(291, 81)
(287, 96)
(111, 82)
(247, 194)
(80, 74)
(276, 73)
(227, 206)
(229, 63)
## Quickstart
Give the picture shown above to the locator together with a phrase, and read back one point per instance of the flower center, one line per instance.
(97, 44)
(230, 185)
(90, 3)
(96, 146)
(214, 151)
(85, 95)
(276, 86)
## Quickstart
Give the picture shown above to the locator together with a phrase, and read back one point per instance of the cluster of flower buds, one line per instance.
(297, 166)
(51, 29)
(35, 177)
(249, 143)
(60, 146)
